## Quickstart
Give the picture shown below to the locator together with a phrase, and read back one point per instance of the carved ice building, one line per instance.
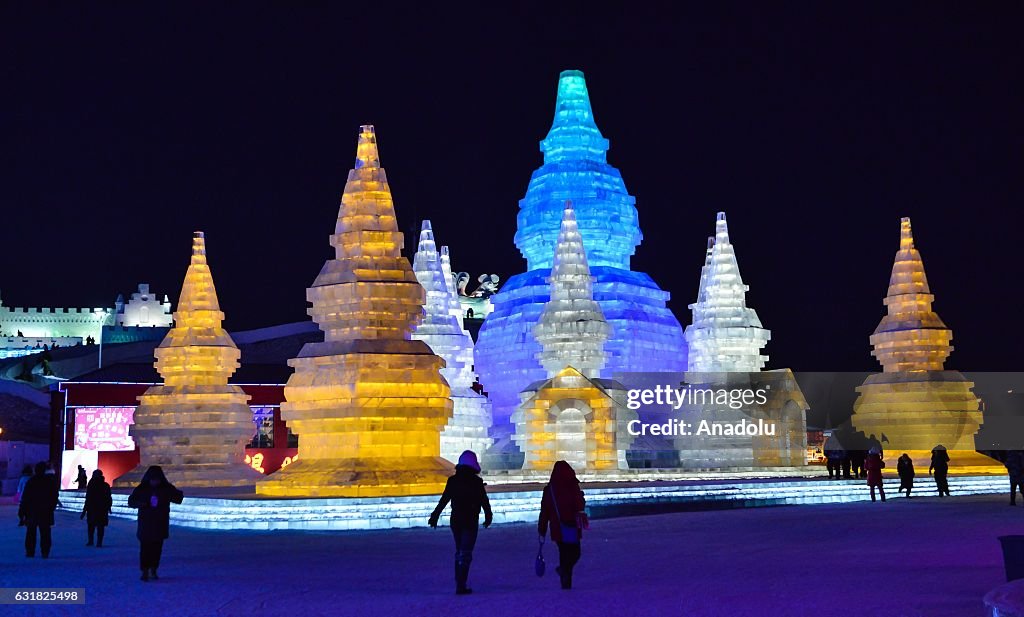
(725, 342)
(573, 415)
(915, 403)
(369, 402)
(440, 329)
(644, 335)
(195, 425)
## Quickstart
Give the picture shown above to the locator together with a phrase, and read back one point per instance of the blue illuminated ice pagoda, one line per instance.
(645, 335)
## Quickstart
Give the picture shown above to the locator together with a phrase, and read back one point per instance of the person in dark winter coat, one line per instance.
(1015, 469)
(873, 465)
(26, 475)
(468, 495)
(905, 470)
(97, 506)
(82, 480)
(940, 465)
(153, 497)
(37, 505)
(561, 508)
(834, 455)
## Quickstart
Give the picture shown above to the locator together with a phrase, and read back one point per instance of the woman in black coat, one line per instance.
(97, 506)
(37, 505)
(940, 465)
(153, 497)
(468, 495)
(562, 509)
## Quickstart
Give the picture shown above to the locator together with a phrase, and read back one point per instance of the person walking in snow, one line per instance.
(905, 470)
(1015, 469)
(561, 508)
(153, 497)
(940, 465)
(37, 505)
(97, 507)
(468, 495)
(873, 465)
(26, 474)
(82, 480)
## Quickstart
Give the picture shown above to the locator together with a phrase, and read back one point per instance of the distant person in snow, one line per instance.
(153, 497)
(37, 505)
(834, 455)
(82, 480)
(468, 495)
(26, 473)
(97, 507)
(561, 508)
(1015, 469)
(940, 465)
(905, 470)
(873, 465)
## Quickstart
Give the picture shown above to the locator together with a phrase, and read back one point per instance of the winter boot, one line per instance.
(145, 574)
(461, 574)
(152, 574)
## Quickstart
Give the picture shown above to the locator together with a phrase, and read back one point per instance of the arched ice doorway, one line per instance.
(571, 445)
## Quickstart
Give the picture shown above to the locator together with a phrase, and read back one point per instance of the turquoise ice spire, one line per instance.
(644, 334)
(575, 167)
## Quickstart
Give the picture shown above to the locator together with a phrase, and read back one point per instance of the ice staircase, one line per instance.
(520, 503)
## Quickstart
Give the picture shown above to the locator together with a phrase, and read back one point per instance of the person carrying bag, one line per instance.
(561, 507)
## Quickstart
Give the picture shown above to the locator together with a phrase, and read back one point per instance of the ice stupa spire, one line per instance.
(572, 329)
(573, 134)
(911, 336)
(195, 424)
(366, 150)
(198, 292)
(726, 335)
(430, 273)
(368, 403)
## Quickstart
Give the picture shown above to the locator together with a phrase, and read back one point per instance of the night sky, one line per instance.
(814, 127)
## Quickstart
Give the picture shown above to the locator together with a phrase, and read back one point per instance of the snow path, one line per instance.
(925, 557)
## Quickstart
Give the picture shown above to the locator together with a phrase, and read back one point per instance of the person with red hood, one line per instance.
(468, 495)
(561, 507)
(874, 465)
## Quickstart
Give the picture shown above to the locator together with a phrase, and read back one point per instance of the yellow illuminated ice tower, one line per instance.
(914, 404)
(195, 425)
(574, 415)
(368, 403)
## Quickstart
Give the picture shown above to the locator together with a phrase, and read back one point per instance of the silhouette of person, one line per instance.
(82, 480)
(97, 507)
(905, 470)
(153, 497)
(561, 508)
(1015, 470)
(37, 505)
(940, 465)
(468, 495)
(873, 465)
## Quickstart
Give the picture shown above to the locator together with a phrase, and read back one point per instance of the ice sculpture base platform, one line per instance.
(379, 477)
(518, 504)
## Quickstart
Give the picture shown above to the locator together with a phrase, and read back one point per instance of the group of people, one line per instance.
(561, 513)
(38, 498)
(939, 469)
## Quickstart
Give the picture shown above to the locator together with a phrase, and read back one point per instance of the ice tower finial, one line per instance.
(574, 134)
(726, 335)
(911, 336)
(572, 329)
(366, 151)
(198, 292)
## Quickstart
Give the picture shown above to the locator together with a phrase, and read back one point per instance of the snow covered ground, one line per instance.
(924, 557)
